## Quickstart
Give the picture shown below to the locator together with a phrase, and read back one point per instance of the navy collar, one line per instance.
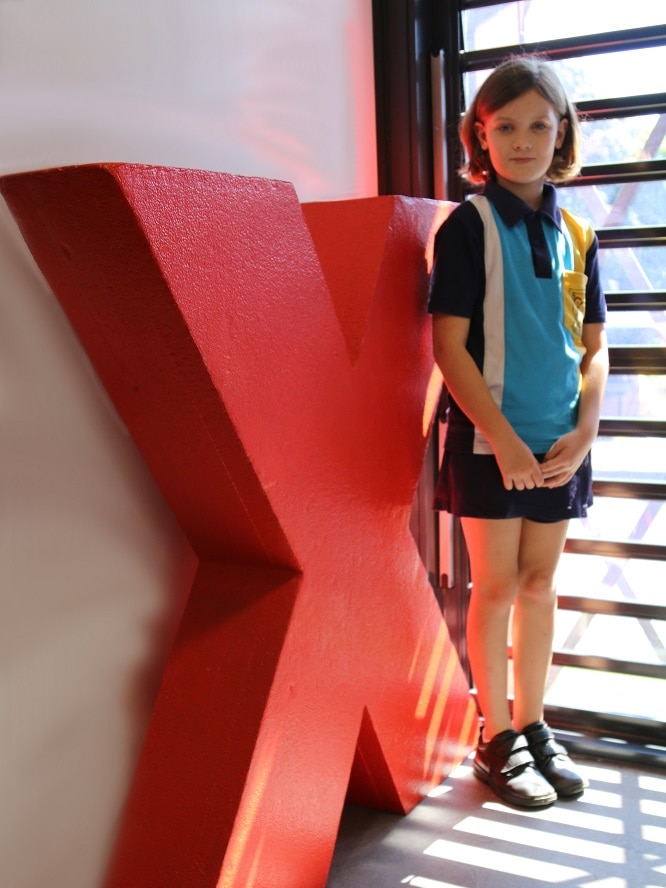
(512, 209)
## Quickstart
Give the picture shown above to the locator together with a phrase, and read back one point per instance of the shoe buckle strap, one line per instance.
(548, 749)
(519, 758)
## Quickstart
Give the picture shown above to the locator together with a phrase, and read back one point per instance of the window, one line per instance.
(610, 660)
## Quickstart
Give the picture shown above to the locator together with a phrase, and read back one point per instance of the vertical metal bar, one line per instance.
(439, 146)
(403, 101)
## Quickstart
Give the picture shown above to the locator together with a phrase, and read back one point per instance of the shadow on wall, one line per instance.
(93, 574)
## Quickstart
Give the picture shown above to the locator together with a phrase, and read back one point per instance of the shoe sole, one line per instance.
(572, 793)
(509, 797)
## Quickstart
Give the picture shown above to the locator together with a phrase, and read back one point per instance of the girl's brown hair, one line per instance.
(510, 80)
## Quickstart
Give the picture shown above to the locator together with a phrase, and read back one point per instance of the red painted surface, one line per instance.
(281, 396)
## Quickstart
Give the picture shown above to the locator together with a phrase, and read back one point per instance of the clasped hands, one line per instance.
(522, 471)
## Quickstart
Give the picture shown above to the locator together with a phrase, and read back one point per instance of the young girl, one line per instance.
(518, 325)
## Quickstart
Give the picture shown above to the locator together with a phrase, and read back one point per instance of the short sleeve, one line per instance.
(458, 274)
(595, 301)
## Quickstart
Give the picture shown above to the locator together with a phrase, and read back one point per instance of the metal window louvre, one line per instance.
(569, 47)
(629, 489)
(622, 106)
(612, 607)
(643, 359)
(629, 172)
(627, 428)
(609, 664)
(625, 236)
(636, 300)
(615, 549)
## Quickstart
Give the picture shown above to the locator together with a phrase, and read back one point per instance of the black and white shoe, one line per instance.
(553, 761)
(506, 764)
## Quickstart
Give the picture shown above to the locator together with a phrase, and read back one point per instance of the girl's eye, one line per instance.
(504, 128)
(540, 127)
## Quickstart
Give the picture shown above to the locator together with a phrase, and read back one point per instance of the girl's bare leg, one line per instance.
(493, 547)
(513, 564)
(534, 617)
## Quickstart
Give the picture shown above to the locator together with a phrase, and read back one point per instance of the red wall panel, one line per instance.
(273, 365)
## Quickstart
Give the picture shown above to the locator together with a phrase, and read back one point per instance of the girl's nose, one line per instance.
(522, 141)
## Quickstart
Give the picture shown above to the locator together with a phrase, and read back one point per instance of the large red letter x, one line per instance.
(281, 393)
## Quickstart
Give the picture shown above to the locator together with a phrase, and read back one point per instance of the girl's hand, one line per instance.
(564, 458)
(518, 465)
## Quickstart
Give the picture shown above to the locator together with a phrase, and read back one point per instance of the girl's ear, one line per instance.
(562, 128)
(480, 133)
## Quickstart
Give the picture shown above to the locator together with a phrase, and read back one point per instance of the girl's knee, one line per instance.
(538, 586)
(496, 591)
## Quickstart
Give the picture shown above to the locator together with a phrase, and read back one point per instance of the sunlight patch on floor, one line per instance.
(461, 772)
(601, 798)
(653, 809)
(419, 882)
(606, 883)
(497, 861)
(655, 834)
(546, 841)
(580, 819)
(439, 791)
(652, 784)
(603, 775)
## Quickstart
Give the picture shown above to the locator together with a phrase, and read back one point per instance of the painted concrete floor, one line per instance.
(462, 836)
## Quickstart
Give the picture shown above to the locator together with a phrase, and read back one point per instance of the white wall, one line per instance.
(93, 569)
(276, 88)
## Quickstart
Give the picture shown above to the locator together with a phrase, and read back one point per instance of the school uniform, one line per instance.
(528, 281)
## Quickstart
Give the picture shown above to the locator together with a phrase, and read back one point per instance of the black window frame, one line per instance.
(416, 43)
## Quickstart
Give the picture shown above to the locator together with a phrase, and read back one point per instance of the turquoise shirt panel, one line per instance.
(540, 388)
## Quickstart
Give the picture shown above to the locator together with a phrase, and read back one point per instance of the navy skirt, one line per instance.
(470, 486)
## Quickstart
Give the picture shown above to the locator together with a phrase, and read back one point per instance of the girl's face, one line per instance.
(521, 138)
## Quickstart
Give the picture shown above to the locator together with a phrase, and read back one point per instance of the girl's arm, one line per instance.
(566, 455)
(594, 371)
(463, 379)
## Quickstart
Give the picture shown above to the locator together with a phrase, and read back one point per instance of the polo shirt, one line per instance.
(528, 281)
